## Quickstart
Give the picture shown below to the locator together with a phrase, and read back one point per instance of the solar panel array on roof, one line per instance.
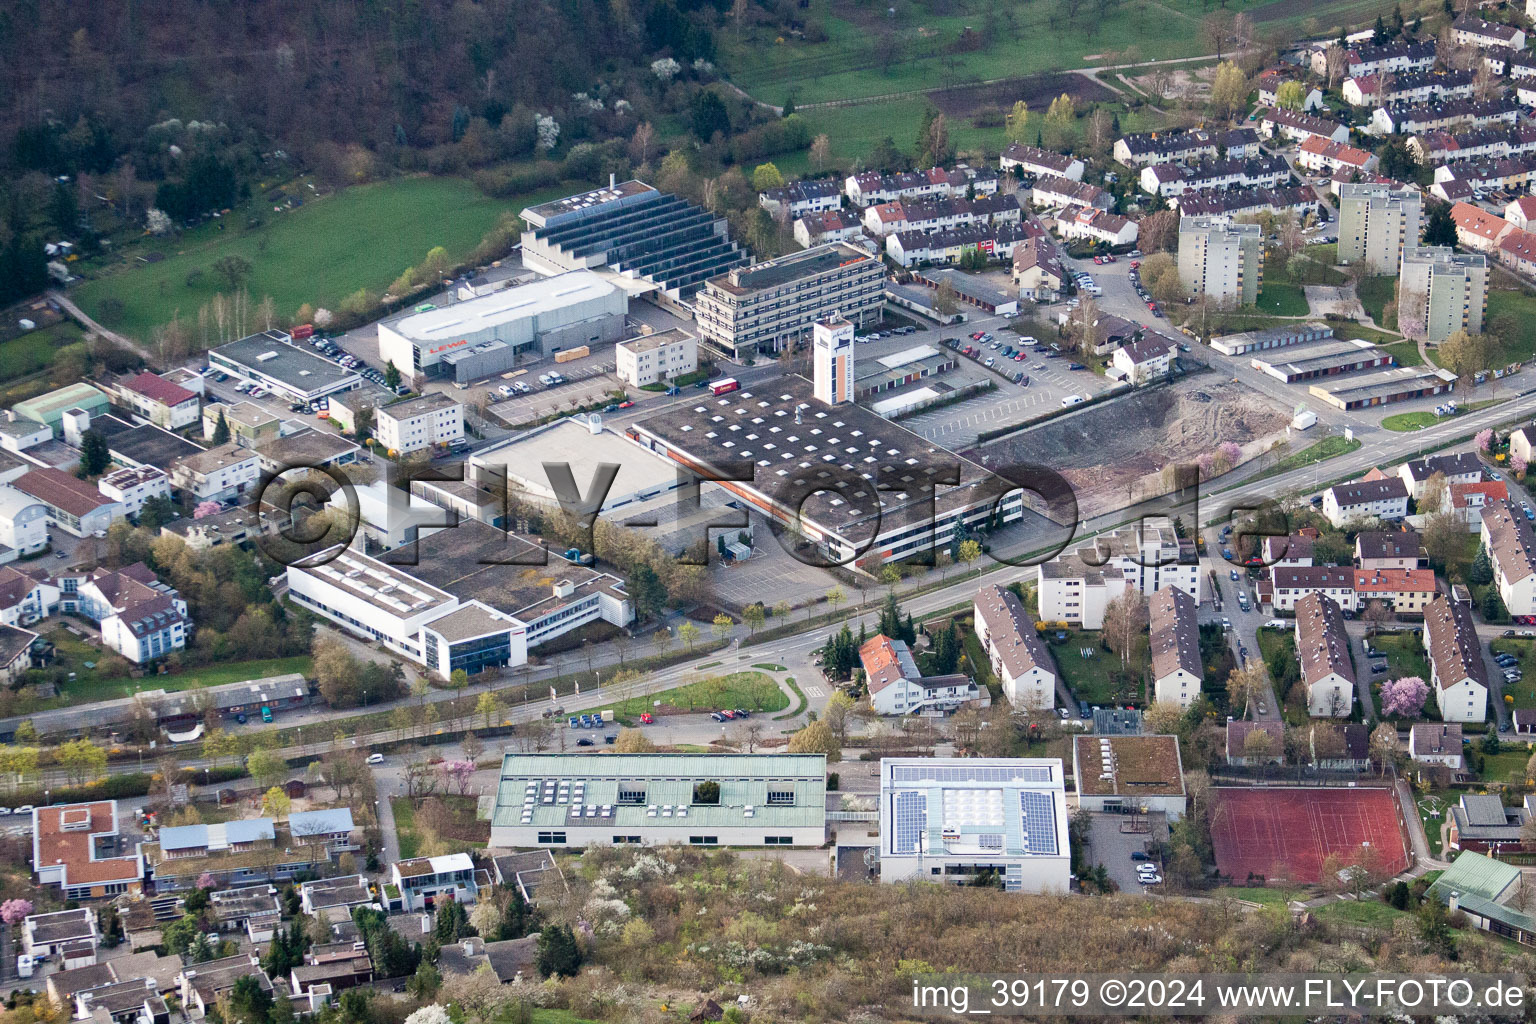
(964, 773)
(1039, 821)
(911, 821)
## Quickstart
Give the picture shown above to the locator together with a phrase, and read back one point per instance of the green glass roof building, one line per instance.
(576, 800)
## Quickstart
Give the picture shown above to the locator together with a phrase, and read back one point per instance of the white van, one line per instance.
(1072, 400)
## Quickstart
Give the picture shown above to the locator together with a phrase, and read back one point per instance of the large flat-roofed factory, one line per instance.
(487, 335)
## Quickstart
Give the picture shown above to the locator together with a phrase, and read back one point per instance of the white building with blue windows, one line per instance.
(140, 618)
(956, 820)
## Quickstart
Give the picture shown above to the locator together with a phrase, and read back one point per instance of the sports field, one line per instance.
(1288, 833)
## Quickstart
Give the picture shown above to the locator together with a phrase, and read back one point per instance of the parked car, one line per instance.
(375, 758)
(585, 741)
(1140, 855)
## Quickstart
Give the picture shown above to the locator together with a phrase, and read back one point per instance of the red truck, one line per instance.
(303, 331)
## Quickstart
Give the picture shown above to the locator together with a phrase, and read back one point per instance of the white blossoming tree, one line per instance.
(157, 222)
(548, 130)
(432, 1013)
(665, 69)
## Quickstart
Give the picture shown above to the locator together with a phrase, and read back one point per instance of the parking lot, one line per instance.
(1113, 848)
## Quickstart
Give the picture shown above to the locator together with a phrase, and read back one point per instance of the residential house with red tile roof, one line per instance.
(85, 850)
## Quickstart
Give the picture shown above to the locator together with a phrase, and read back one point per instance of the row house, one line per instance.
(1498, 143)
(1477, 230)
(1517, 251)
(1470, 30)
(1034, 162)
(803, 197)
(996, 240)
(1456, 113)
(1324, 156)
(940, 214)
(1174, 179)
(1515, 64)
(827, 226)
(1514, 173)
(1399, 55)
(872, 187)
(1057, 193)
(1410, 87)
(1458, 676)
(1140, 149)
(1298, 126)
(1299, 200)
(1269, 84)
(1097, 226)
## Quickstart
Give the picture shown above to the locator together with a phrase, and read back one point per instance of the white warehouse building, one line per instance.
(957, 820)
(486, 335)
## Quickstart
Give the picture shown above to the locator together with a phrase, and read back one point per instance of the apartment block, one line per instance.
(1376, 223)
(1221, 260)
(654, 358)
(1442, 291)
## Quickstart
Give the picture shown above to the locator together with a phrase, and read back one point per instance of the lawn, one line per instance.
(753, 691)
(1406, 421)
(1322, 451)
(1093, 678)
(461, 831)
(1368, 911)
(1405, 352)
(34, 350)
(1508, 765)
(1282, 300)
(1514, 314)
(865, 53)
(1265, 895)
(360, 237)
(89, 686)
(1433, 808)
(1375, 293)
(1405, 655)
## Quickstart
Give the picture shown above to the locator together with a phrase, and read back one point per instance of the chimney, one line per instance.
(1454, 903)
(613, 180)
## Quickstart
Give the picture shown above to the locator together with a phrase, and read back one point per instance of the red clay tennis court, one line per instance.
(1286, 833)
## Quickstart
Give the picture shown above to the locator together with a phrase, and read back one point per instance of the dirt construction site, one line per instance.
(1113, 453)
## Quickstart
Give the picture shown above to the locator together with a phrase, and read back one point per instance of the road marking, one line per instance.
(814, 691)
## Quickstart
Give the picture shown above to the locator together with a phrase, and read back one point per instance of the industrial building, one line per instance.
(656, 358)
(579, 800)
(816, 469)
(1442, 291)
(1326, 359)
(887, 373)
(766, 307)
(488, 335)
(1376, 223)
(270, 361)
(1398, 384)
(961, 821)
(971, 290)
(647, 240)
(1221, 260)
